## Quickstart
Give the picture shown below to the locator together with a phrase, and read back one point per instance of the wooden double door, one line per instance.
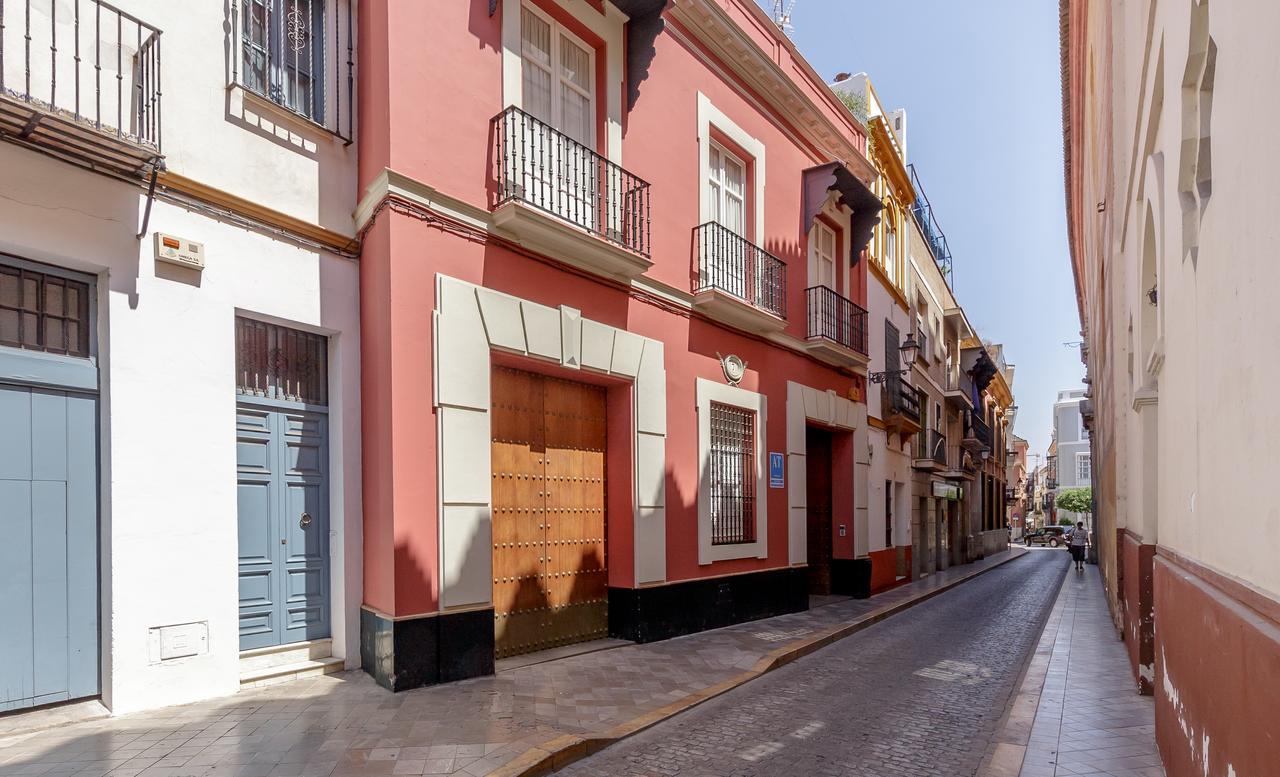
(550, 585)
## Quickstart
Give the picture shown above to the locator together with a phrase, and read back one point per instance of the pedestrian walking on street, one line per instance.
(1079, 541)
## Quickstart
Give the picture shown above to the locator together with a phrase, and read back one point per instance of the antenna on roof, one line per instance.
(782, 15)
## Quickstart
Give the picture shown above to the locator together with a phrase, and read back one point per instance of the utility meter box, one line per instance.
(179, 251)
(182, 640)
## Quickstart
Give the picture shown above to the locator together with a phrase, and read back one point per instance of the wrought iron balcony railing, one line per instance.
(932, 445)
(732, 264)
(82, 80)
(300, 55)
(541, 166)
(979, 430)
(836, 318)
(900, 397)
(933, 234)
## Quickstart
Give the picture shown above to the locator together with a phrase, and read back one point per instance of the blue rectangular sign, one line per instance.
(775, 470)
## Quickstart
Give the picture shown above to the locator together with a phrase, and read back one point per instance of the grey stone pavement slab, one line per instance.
(1090, 719)
(345, 724)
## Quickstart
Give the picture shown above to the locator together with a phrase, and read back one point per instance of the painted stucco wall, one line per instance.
(166, 343)
(167, 377)
(1170, 192)
(437, 133)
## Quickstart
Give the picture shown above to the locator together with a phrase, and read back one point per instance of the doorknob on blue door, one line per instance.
(305, 520)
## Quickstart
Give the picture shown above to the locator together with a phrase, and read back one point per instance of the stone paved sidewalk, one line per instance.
(1090, 719)
(520, 718)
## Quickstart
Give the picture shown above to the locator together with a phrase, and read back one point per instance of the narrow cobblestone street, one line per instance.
(914, 695)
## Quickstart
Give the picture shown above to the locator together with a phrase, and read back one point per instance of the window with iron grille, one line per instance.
(42, 312)
(732, 475)
(282, 48)
(275, 362)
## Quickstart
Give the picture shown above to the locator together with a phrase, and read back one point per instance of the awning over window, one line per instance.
(854, 195)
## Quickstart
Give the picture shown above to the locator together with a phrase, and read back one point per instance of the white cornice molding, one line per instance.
(730, 43)
(389, 182)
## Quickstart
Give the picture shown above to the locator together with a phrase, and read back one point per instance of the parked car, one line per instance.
(1053, 536)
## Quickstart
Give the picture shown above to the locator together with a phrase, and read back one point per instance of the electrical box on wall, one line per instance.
(179, 251)
(183, 640)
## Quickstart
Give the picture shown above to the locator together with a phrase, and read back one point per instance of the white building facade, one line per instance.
(1075, 461)
(179, 364)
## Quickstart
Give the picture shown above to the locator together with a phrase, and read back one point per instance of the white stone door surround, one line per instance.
(469, 320)
(828, 408)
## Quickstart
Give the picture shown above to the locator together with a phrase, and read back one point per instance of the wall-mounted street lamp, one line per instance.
(909, 350)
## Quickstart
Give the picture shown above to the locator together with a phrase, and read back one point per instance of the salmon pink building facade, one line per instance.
(614, 338)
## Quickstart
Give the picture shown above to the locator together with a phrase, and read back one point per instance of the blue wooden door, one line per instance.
(283, 510)
(48, 485)
(48, 546)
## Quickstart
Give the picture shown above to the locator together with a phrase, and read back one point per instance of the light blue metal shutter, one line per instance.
(49, 547)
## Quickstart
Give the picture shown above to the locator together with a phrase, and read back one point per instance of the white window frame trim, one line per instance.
(837, 214)
(709, 116)
(1081, 456)
(707, 392)
(723, 180)
(557, 107)
(609, 27)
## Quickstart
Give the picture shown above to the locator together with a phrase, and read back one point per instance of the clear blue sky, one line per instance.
(980, 82)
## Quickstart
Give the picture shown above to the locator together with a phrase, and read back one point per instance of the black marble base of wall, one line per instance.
(851, 577)
(411, 653)
(662, 612)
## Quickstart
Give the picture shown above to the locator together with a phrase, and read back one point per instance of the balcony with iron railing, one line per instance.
(934, 237)
(931, 450)
(900, 405)
(958, 390)
(738, 282)
(977, 435)
(295, 59)
(81, 81)
(835, 327)
(557, 195)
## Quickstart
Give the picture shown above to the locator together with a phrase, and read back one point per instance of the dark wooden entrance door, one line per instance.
(548, 453)
(818, 493)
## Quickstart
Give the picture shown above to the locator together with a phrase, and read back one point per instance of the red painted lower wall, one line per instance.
(1217, 678)
(884, 568)
(1138, 619)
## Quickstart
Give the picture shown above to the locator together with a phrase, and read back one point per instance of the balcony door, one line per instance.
(735, 265)
(560, 169)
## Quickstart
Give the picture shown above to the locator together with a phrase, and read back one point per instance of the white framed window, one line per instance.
(822, 255)
(1084, 467)
(557, 76)
(732, 515)
(727, 189)
(750, 160)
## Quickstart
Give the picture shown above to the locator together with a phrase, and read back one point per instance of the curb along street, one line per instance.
(1008, 746)
(562, 751)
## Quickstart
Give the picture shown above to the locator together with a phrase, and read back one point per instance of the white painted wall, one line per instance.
(168, 483)
(168, 490)
(1194, 409)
